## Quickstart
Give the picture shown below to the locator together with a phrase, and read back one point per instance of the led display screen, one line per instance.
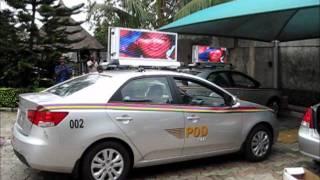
(142, 44)
(209, 54)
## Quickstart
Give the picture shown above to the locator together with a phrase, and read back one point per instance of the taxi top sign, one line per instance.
(137, 47)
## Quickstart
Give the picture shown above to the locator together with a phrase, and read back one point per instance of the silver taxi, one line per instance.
(309, 133)
(104, 124)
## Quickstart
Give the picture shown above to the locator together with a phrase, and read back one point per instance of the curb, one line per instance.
(300, 109)
(5, 109)
(290, 113)
(294, 111)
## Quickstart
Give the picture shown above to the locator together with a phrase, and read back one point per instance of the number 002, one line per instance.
(76, 123)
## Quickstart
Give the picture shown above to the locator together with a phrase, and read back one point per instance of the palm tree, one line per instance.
(136, 13)
(188, 7)
(125, 13)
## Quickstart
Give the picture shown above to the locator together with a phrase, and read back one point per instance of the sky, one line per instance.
(69, 3)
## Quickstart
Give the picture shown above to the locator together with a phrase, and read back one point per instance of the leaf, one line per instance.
(196, 5)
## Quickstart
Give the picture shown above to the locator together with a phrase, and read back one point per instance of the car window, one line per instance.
(242, 81)
(194, 93)
(73, 86)
(153, 90)
(219, 79)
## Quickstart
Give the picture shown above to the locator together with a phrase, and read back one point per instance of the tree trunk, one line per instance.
(33, 26)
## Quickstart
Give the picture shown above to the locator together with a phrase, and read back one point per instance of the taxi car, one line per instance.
(104, 124)
(309, 133)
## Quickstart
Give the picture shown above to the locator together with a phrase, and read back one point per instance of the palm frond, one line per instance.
(196, 5)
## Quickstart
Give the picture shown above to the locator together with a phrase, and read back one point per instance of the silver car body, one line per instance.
(309, 138)
(154, 134)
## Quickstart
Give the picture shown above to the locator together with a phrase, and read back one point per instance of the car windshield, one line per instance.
(75, 85)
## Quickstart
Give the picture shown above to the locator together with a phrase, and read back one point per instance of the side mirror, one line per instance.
(235, 102)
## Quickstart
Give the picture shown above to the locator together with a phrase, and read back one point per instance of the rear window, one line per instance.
(74, 85)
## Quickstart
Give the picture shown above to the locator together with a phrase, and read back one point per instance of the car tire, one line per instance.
(109, 158)
(258, 144)
(316, 162)
(274, 105)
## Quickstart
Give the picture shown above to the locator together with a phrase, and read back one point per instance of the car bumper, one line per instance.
(37, 154)
(309, 142)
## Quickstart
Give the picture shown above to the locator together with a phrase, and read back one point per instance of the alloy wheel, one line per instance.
(107, 164)
(260, 143)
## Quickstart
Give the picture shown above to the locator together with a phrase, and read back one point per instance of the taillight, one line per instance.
(308, 119)
(46, 118)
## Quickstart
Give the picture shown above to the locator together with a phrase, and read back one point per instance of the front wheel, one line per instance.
(258, 144)
(106, 161)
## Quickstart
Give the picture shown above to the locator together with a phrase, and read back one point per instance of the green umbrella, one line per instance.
(264, 20)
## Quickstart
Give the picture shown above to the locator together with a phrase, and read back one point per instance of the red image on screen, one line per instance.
(210, 54)
(151, 45)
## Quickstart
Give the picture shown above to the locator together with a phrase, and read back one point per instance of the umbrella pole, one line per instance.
(276, 64)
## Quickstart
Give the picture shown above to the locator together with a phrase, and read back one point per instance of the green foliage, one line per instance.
(124, 13)
(18, 72)
(101, 32)
(196, 5)
(9, 96)
(24, 51)
(147, 14)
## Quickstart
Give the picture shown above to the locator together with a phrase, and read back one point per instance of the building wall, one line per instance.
(300, 72)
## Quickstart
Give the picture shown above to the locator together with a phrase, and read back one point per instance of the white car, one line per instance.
(104, 124)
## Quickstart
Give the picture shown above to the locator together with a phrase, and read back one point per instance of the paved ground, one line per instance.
(228, 167)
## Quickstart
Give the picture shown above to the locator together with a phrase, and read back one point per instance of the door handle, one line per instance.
(193, 118)
(125, 119)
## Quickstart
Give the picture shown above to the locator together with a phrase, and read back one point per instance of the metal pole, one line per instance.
(276, 64)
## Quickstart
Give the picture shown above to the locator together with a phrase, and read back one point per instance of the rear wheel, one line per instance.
(258, 144)
(107, 160)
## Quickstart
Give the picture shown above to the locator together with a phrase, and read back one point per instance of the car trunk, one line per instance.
(31, 101)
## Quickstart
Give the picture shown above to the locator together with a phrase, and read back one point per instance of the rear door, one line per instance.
(247, 88)
(222, 79)
(143, 109)
(208, 127)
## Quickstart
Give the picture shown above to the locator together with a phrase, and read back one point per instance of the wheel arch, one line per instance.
(263, 123)
(78, 164)
(274, 98)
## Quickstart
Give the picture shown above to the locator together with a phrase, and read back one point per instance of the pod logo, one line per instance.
(196, 131)
(200, 132)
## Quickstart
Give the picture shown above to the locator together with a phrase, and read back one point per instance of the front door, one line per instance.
(210, 124)
(143, 110)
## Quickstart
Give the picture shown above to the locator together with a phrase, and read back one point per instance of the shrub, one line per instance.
(9, 96)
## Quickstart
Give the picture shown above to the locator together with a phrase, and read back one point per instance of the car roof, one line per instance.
(128, 74)
(208, 71)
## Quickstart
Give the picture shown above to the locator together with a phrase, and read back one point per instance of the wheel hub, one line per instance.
(260, 144)
(107, 164)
